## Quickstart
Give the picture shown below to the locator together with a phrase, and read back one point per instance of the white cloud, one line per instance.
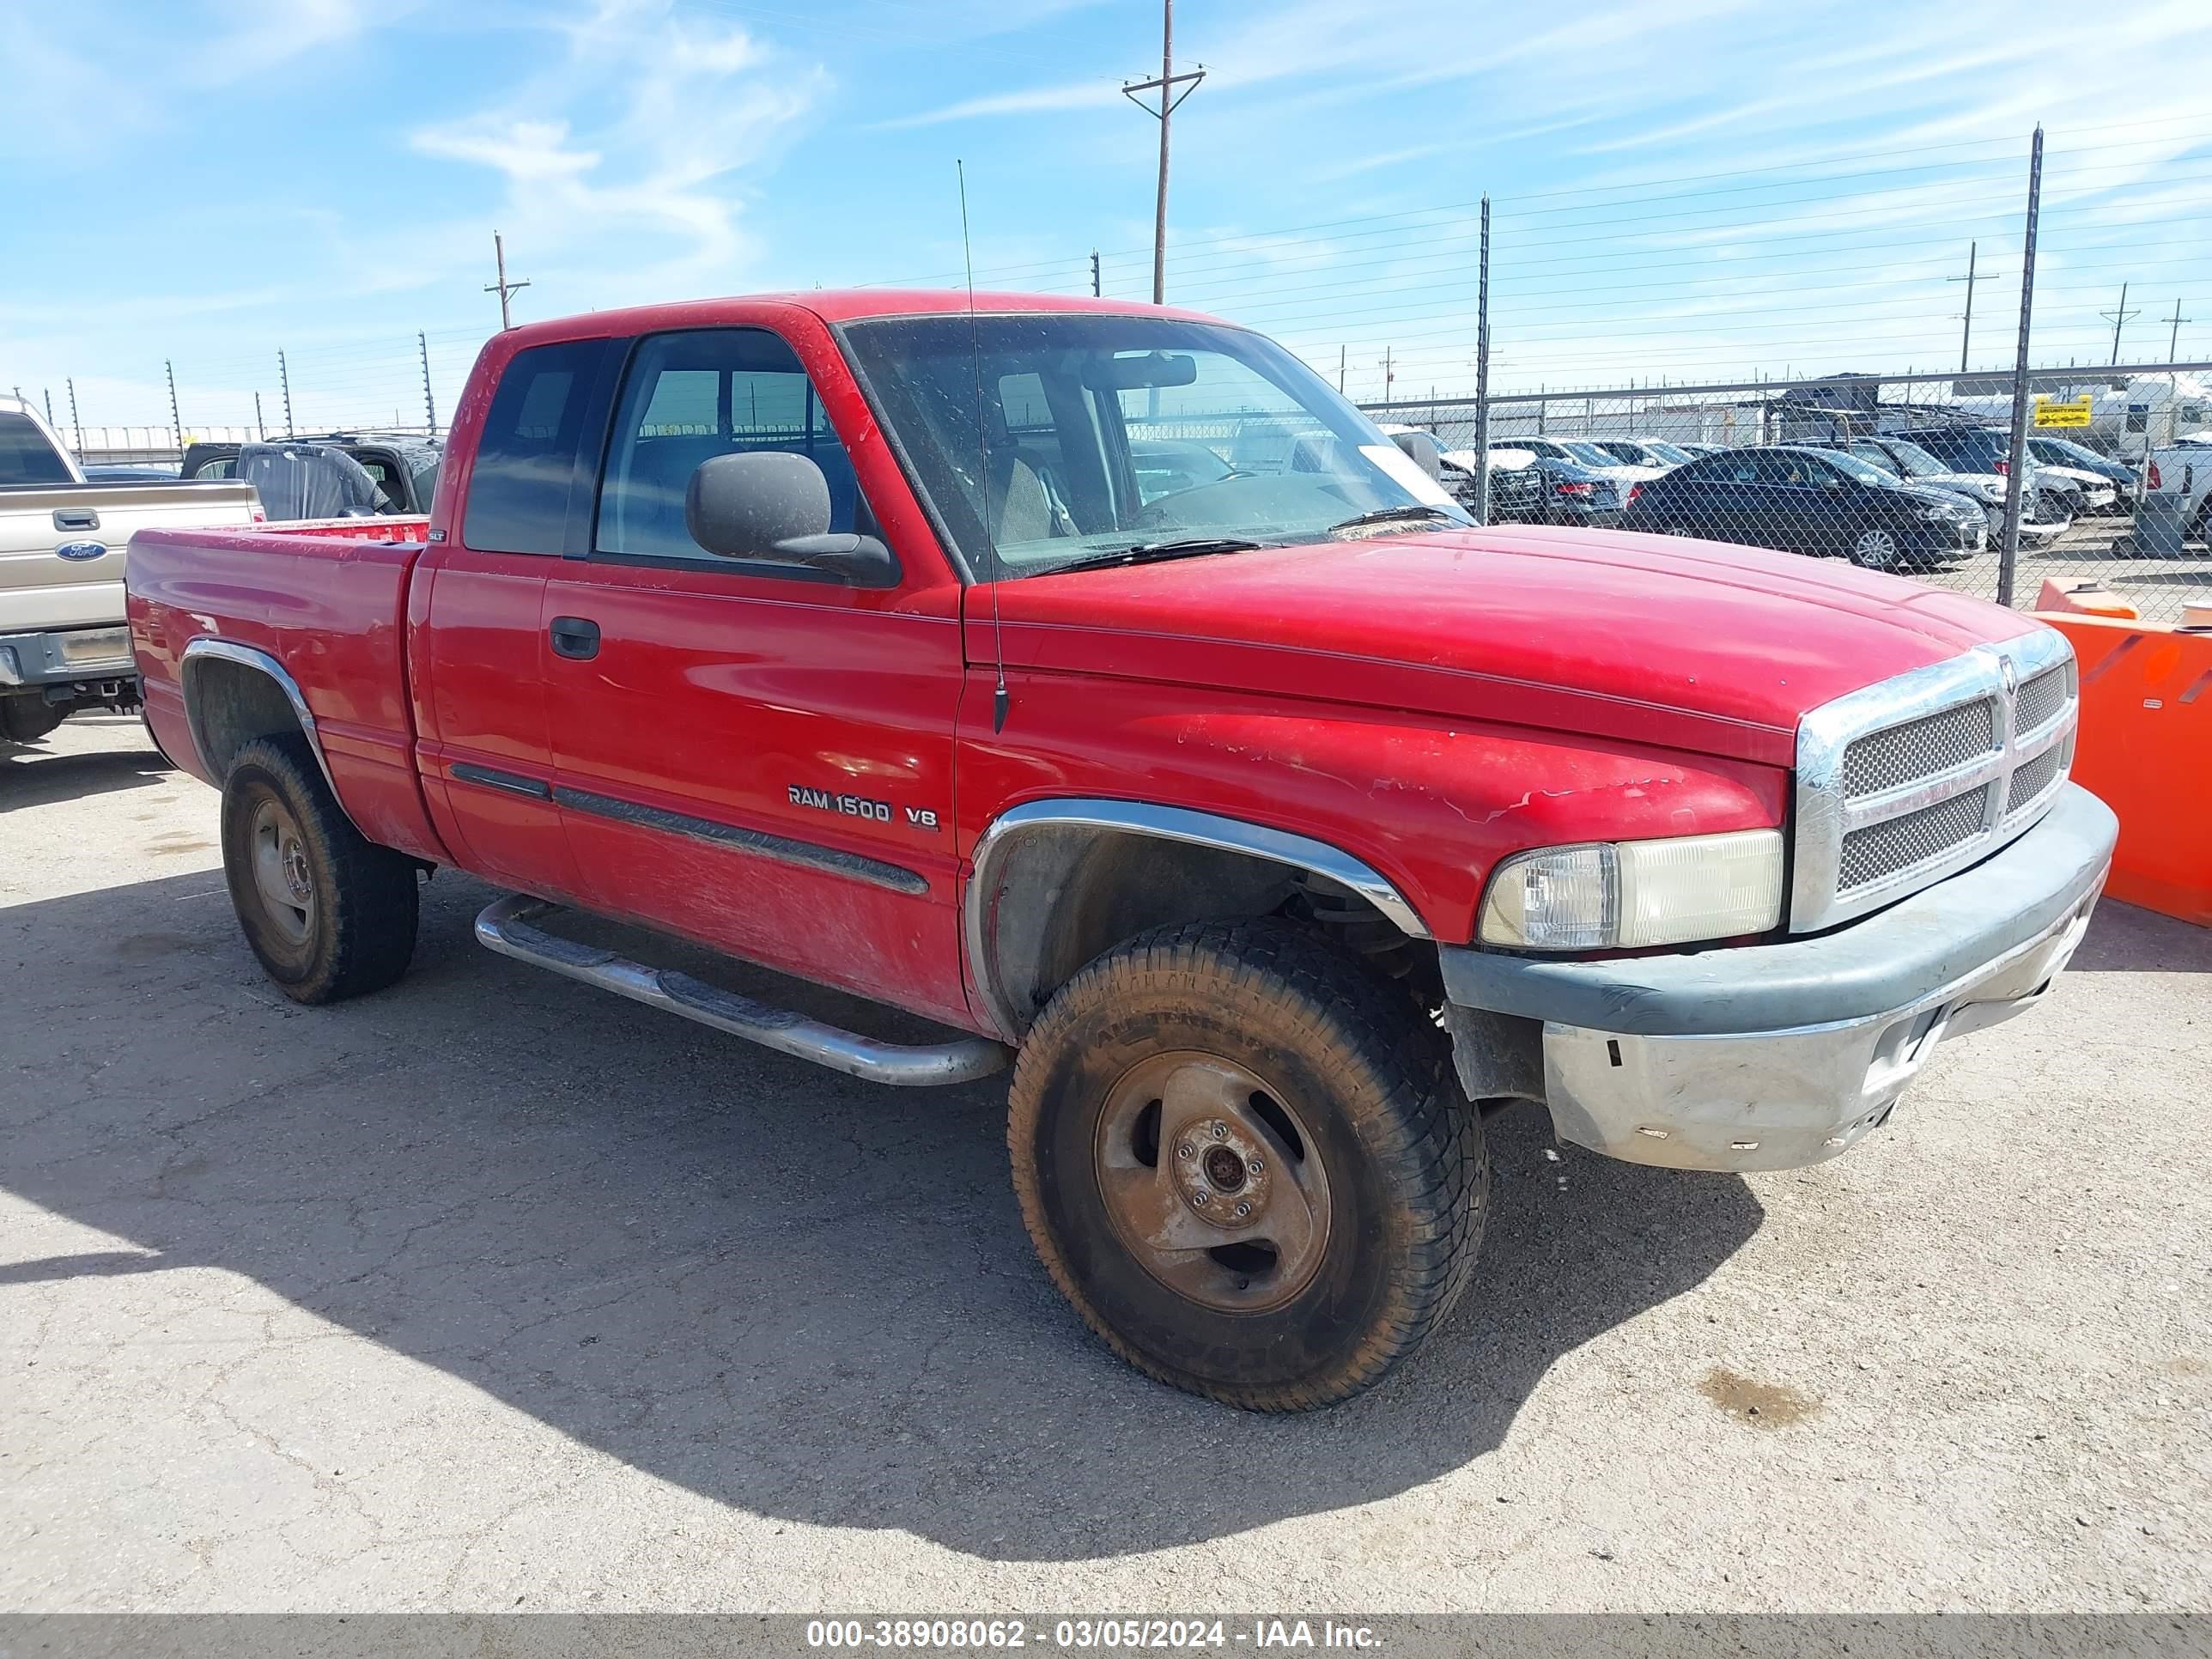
(625, 156)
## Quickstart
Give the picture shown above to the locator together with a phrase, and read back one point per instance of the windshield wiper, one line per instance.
(1392, 515)
(1157, 552)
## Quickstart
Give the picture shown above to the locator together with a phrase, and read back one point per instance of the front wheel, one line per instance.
(1875, 549)
(1239, 1155)
(329, 913)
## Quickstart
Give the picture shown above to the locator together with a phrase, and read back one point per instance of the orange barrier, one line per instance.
(2088, 597)
(2145, 747)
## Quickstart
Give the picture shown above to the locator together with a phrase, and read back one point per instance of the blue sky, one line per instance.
(1697, 189)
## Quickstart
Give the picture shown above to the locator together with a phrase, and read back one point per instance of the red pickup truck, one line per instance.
(1095, 682)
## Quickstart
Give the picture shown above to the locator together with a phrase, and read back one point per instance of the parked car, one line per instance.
(2071, 460)
(1986, 490)
(63, 647)
(402, 467)
(1988, 449)
(1570, 492)
(1817, 502)
(1274, 830)
(1516, 492)
(1625, 474)
(1642, 452)
(129, 472)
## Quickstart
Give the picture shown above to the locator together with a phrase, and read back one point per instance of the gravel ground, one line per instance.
(492, 1292)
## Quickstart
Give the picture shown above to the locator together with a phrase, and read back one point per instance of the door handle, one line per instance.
(76, 518)
(574, 636)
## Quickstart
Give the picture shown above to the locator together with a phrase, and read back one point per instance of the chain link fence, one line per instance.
(1910, 474)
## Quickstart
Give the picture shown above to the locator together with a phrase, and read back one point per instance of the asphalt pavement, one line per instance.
(491, 1292)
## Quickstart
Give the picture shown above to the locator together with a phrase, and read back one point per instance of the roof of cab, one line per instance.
(832, 306)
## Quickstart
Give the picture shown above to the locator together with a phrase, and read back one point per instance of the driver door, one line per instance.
(752, 754)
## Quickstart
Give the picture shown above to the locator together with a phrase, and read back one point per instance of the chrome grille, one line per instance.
(1926, 748)
(1901, 783)
(1898, 844)
(2038, 700)
(2033, 778)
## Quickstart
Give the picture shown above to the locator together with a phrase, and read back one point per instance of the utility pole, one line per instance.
(2173, 339)
(1096, 291)
(78, 426)
(2119, 317)
(502, 287)
(2015, 472)
(260, 427)
(1966, 334)
(1340, 370)
(176, 421)
(1389, 373)
(429, 408)
(1169, 100)
(1482, 375)
(285, 379)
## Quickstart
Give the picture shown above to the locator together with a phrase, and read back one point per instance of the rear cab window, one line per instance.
(537, 456)
(26, 457)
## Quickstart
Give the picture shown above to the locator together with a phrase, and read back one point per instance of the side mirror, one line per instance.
(770, 505)
(1421, 448)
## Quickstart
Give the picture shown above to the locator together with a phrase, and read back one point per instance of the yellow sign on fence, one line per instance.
(2048, 413)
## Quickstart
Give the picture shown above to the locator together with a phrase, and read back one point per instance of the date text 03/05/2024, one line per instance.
(1086, 1634)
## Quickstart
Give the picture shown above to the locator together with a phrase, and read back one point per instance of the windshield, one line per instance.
(1591, 455)
(1912, 460)
(1672, 454)
(1100, 433)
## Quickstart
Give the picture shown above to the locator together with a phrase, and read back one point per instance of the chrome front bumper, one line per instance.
(1771, 1056)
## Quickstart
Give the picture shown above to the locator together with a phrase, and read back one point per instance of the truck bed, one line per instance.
(327, 602)
(40, 591)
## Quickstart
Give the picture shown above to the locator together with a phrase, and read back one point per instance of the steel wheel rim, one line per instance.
(1877, 549)
(1177, 1214)
(281, 875)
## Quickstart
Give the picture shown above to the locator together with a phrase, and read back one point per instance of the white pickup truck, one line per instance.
(2178, 477)
(62, 643)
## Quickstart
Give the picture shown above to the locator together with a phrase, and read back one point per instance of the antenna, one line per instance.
(998, 698)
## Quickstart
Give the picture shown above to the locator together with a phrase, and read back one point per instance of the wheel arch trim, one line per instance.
(1137, 818)
(206, 649)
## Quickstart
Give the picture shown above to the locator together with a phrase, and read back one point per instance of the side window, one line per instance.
(691, 396)
(527, 456)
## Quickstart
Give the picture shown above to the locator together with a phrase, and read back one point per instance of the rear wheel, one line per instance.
(1240, 1157)
(329, 913)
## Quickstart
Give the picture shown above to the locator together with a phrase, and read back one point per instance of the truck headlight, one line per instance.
(1622, 895)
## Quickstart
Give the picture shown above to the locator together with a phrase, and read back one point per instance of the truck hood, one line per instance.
(1691, 645)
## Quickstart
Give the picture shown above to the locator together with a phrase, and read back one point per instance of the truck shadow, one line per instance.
(786, 1290)
(36, 776)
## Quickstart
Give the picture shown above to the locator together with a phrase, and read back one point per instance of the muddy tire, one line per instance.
(1202, 1068)
(328, 914)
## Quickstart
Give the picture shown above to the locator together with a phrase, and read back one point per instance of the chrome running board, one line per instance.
(507, 927)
